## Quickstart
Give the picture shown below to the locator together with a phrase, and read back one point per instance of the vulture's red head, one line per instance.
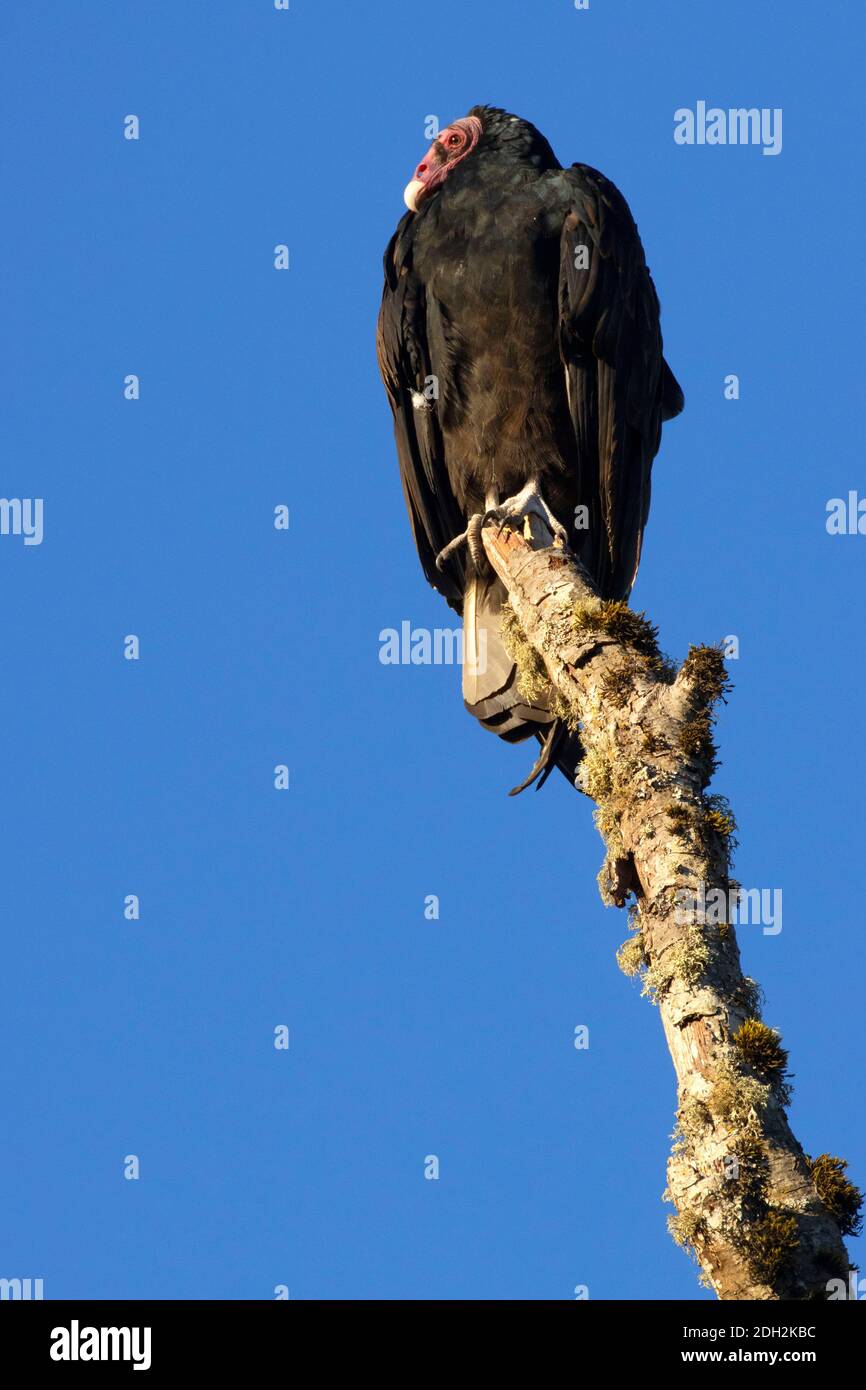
(486, 127)
(450, 149)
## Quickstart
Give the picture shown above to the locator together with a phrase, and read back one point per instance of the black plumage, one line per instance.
(519, 339)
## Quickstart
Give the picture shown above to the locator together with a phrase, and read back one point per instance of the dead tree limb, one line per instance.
(746, 1195)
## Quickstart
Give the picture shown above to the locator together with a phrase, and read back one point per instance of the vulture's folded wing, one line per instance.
(619, 385)
(404, 362)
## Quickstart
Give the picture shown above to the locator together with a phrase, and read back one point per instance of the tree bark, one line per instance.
(747, 1206)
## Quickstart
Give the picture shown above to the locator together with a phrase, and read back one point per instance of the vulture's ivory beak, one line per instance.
(412, 193)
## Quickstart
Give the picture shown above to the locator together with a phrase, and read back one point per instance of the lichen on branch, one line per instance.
(762, 1219)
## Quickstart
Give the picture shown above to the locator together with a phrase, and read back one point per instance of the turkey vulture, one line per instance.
(520, 348)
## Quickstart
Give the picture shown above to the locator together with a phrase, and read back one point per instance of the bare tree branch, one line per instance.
(746, 1196)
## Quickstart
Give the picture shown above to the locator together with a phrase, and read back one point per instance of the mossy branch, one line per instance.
(762, 1219)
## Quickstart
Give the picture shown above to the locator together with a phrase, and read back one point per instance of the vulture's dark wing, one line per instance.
(404, 361)
(619, 386)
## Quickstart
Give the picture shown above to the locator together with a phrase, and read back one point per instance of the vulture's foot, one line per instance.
(529, 502)
(471, 538)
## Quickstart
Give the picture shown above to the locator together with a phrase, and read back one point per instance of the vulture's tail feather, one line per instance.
(542, 765)
(491, 689)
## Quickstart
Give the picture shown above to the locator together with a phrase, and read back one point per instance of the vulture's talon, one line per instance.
(471, 538)
(515, 511)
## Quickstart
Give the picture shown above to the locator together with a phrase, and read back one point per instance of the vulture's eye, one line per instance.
(454, 140)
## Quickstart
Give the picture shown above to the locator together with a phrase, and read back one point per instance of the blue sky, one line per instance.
(306, 907)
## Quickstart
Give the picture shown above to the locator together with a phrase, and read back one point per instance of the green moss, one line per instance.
(719, 818)
(686, 960)
(532, 677)
(609, 618)
(664, 667)
(653, 742)
(761, 1048)
(748, 996)
(596, 774)
(687, 1228)
(754, 1169)
(562, 709)
(693, 1120)
(696, 740)
(630, 957)
(690, 956)
(840, 1196)
(769, 1246)
(681, 818)
(607, 823)
(587, 617)
(705, 669)
(616, 684)
(735, 1097)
